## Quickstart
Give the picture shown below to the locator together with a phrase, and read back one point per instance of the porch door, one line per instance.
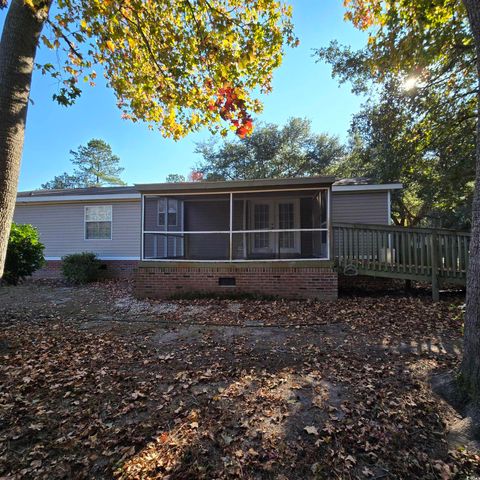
(263, 218)
(275, 215)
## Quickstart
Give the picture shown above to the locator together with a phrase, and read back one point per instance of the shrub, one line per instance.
(81, 268)
(24, 253)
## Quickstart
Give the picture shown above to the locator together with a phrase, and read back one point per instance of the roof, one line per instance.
(77, 191)
(237, 185)
(363, 184)
(133, 192)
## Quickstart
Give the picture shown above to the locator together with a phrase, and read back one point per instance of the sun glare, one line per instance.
(410, 83)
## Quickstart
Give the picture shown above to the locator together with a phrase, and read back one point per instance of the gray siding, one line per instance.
(62, 228)
(357, 207)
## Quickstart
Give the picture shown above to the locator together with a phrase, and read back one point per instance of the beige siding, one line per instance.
(62, 228)
(358, 207)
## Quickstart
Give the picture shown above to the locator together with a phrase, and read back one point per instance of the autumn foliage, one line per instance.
(231, 106)
(176, 65)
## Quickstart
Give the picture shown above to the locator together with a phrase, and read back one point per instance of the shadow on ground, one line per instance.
(97, 384)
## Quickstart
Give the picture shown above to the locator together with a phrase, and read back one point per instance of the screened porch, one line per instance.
(236, 226)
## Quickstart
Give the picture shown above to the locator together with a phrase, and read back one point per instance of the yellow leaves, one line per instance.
(169, 62)
(110, 45)
(47, 42)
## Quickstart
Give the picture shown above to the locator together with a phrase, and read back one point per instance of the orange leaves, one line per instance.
(362, 13)
(231, 106)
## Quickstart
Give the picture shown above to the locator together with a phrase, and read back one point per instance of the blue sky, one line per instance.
(301, 88)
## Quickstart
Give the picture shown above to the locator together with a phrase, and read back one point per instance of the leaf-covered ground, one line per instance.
(97, 385)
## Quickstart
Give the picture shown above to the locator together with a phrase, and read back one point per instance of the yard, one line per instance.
(98, 385)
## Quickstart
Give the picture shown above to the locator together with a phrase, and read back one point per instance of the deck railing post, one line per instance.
(420, 254)
(434, 253)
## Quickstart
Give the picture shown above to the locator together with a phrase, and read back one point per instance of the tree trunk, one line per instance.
(18, 46)
(470, 369)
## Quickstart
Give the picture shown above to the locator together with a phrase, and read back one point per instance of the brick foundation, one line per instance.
(110, 269)
(300, 280)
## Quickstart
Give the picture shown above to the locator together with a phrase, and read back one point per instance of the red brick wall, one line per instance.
(113, 269)
(161, 280)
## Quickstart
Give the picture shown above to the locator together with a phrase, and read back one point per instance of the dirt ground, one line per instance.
(95, 384)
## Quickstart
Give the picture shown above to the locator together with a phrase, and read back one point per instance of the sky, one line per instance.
(301, 88)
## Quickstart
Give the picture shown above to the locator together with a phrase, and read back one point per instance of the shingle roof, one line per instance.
(78, 191)
(207, 185)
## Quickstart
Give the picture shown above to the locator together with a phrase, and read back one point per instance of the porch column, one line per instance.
(231, 227)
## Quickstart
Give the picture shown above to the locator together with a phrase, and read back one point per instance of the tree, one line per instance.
(270, 152)
(435, 163)
(96, 166)
(180, 65)
(426, 39)
(174, 178)
(59, 182)
(418, 68)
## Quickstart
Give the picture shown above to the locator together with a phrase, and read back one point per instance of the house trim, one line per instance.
(75, 198)
(367, 188)
(55, 259)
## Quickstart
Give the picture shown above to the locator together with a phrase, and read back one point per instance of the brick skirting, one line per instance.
(109, 269)
(287, 280)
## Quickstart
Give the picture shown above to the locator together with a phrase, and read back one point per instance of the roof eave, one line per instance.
(240, 185)
(385, 187)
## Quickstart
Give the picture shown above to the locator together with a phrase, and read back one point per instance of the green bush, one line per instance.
(24, 253)
(81, 268)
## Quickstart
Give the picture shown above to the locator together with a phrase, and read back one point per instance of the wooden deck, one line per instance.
(423, 254)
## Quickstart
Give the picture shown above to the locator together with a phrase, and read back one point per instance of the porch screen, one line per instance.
(276, 225)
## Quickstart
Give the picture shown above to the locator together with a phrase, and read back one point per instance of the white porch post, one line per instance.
(231, 227)
(142, 235)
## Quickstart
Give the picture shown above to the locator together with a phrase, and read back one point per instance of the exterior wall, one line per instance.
(62, 228)
(360, 207)
(110, 269)
(288, 280)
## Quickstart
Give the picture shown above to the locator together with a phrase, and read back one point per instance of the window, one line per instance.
(167, 212)
(286, 222)
(98, 222)
(172, 212)
(161, 211)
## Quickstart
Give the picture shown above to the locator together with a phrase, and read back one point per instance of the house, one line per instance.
(270, 236)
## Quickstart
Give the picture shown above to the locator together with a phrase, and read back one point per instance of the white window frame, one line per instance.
(163, 213)
(166, 212)
(85, 221)
(231, 232)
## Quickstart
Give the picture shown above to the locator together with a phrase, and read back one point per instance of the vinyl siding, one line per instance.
(358, 207)
(62, 228)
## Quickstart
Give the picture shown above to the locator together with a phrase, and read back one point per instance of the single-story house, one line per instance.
(271, 237)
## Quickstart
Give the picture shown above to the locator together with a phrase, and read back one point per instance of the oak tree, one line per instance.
(271, 151)
(421, 39)
(177, 65)
(435, 162)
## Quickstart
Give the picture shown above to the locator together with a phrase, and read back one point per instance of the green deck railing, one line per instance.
(423, 254)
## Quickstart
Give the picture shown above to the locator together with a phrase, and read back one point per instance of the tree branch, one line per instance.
(59, 33)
